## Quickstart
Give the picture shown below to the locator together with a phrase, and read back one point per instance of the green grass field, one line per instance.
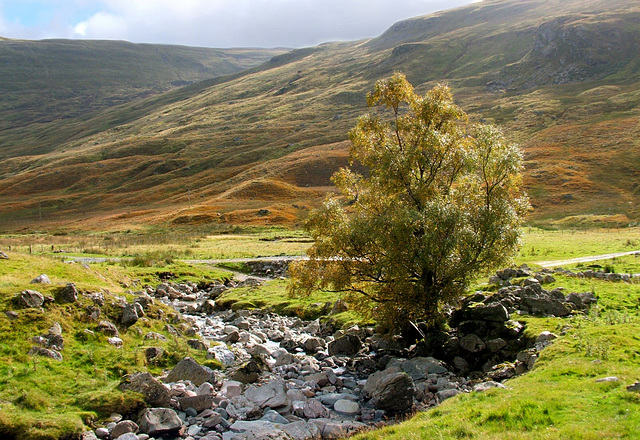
(559, 399)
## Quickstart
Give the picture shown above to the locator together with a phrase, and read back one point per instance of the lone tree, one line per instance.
(438, 202)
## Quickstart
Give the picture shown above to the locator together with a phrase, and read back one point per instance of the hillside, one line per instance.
(46, 81)
(560, 77)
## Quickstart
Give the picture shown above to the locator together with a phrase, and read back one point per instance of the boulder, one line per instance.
(484, 386)
(41, 279)
(39, 351)
(155, 393)
(346, 407)
(495, 312)
(301, 430)
(247, 373)
(68, 294)
(124, 427)
(188, 369)
(199, 403)
(346, 345)
(153, 354)
(129, 315)
(28, 299)
(160, 422)
(313, 409)
(472, 343)
(273, 394)
(311, 345)
(258, 430)
(394, 393)
(3, 256)
(115, 341)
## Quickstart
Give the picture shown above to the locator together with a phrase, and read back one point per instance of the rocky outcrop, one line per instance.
(28, 299)
(154, 392)
(188, 369)
(160, 422)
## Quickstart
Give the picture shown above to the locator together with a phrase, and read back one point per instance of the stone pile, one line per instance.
(285, 378)
(600, 275)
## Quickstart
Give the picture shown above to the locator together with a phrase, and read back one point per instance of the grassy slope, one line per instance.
(559, 399)
(46, 81)
(45, 399)
(271, 137)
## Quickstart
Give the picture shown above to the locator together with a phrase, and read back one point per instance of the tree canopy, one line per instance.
(436, 203)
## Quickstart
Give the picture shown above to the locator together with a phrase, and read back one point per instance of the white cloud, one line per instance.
(221, 23)
(265, 23)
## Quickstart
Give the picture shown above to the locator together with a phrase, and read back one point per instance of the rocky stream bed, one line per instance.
(285, 378)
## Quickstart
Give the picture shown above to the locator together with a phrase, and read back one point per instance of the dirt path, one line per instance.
(557, 263)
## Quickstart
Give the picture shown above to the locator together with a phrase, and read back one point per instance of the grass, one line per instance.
(560, 398)
(548, 245)
(45, 399)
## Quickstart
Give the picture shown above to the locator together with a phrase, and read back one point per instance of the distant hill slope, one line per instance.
(561, 77)
(49, 80)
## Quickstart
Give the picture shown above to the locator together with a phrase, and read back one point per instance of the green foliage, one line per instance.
(440, 203)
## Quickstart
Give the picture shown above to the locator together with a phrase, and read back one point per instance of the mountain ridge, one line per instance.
(195, 144)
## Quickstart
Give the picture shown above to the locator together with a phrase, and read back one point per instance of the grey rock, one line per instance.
(472, 343)
(484, 386)
(212, 421)
(495, 345)
(44, 352)
(107, 328)
(247, 373)
(487, 312)
(607, 379)
(198, 403)
(346, 345)
(89, 435)
(155, 336)
(311, 345)
(272, 394)
(274, 417)
(28, 299)
(102, 432)
(333, 430)
(41, 279)
(115, 341)
(153, 354)
(222, 354)
(198, 344)
(129, 315)
(394, 393)
(159, 422)
(447, 394)
(123, 427)
(634, 387)
(69, 294)
(257, 430)
(3, 256)
(188, 369)
(300, 430)
(206, 389)
(346, 407)
(126, 436)
(155, 393)
(374, 379)
(313, 409)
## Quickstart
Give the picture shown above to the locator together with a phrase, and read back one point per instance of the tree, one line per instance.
(436, 204)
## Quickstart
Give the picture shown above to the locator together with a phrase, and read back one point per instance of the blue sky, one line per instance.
(212, 23)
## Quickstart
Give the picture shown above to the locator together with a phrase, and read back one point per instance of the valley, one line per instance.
(259, 146)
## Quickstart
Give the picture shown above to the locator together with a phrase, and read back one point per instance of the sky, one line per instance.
(211, 23)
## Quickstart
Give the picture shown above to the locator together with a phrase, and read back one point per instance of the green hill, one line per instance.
(560, 77)
(61, 80)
